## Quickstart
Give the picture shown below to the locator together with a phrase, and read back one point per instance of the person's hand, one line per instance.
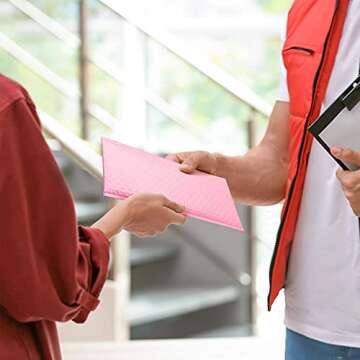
(142, 215)
(151, 214)
(197, 160)
(350, 180)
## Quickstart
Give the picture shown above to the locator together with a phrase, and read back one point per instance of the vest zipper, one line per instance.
(291, 190)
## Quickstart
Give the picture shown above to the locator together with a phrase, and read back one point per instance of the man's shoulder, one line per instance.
(10, 92)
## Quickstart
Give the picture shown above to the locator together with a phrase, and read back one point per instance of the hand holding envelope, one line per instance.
(129, 171)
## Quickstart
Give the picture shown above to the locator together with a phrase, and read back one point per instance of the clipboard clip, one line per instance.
(352, 97)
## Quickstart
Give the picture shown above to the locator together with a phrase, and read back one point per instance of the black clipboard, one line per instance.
(331, 130)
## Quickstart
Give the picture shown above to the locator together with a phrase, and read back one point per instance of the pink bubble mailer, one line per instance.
(129, 171)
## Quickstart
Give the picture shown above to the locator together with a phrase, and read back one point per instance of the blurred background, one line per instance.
(165, 76)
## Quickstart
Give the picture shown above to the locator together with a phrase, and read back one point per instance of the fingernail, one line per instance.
(336, 151)
(185, 166)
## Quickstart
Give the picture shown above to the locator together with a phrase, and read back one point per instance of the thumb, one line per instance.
(189, 164)
(346, 155)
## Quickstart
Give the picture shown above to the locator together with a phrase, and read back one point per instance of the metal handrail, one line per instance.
(71, 92)
(78, 149)
(68, 90)
(45, 21)
(110, 69)
(212, 72)
(67, 37)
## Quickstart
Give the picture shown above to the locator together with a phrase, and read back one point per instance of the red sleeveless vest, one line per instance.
(314, 31)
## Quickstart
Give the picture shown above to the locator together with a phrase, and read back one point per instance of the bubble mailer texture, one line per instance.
(129, 171)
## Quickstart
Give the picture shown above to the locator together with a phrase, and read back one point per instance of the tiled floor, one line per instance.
(254, 348)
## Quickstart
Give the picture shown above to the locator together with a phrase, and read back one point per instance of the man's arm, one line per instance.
(258, 177)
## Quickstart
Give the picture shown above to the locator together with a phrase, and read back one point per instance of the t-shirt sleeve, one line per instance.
(283, 94)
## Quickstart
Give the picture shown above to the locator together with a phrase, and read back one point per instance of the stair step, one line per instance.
(62, 160)
(158, 304)
(143, 254)
(64, 163)
(88, 212)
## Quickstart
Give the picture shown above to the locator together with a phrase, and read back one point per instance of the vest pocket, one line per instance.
(299, 49)
(301, 64)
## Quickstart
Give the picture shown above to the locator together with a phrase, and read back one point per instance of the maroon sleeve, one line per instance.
(49, 267)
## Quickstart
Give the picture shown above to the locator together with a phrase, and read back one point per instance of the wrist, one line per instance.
(104, 229)
(126, 212)
(218, 161)
(113, 221)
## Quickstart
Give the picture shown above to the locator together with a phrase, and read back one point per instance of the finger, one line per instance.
(345, 179)
(140, 234)
(179, 157)
(347, 155)
(190, 163)
(176, 219)
(340, 174)
(350, 181)
(174, 157)
(174, 206)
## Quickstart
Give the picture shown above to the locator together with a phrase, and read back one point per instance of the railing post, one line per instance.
(121, 275)
(251, 139)
(83, 69)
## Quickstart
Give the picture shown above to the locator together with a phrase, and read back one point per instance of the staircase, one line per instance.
(193, 281)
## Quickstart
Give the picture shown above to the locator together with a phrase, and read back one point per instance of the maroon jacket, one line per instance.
(50, 269)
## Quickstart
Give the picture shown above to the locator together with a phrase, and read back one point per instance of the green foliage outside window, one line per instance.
(275, 6)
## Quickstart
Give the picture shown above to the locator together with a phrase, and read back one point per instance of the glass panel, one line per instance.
(202, 102)
(34, 39)
(165, 136)
(46, 97)
(64, 11)
(97, 131)
(105, 33)
(104, 90)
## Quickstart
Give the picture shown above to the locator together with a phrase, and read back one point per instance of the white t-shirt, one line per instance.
(323, 281)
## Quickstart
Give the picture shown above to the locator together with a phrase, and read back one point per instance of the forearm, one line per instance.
(257, 178)
(113, 221)
(141, 214)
